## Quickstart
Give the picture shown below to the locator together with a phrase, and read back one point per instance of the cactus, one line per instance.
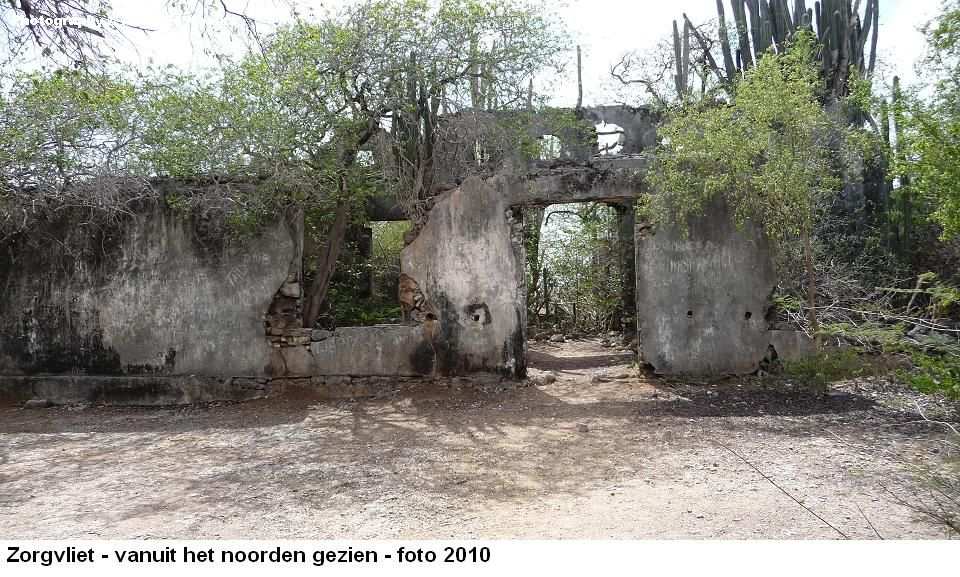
(728, 66)
(681, 55)
(770, 24)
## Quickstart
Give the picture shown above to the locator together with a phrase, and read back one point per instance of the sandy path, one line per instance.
(618, 456)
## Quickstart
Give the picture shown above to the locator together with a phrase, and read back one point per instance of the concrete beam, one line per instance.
(614, 180)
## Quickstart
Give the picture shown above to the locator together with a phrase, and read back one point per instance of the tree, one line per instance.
(768, 154)
(81, 33)
(65, 139)
(300, 113)
(929, 130)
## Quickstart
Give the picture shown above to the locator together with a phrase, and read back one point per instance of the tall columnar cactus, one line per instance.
(763, 25)
(681, 56)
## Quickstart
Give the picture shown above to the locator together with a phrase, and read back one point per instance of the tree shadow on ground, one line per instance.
(547, 362)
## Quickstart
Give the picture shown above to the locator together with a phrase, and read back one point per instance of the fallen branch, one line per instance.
(867, 519)
(941, 423)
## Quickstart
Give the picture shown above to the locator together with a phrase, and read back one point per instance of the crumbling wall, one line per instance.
(702, 299)
(468, 262)
(161, 293)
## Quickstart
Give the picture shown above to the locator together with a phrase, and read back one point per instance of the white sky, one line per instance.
(605, 29)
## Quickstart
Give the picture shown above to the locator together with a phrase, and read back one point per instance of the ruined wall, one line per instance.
(702, 300)
(468, 261)
(159, 294)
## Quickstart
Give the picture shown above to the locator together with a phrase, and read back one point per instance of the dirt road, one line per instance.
(601, 453)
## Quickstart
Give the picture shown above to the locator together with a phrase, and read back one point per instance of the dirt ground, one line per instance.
(602, 452)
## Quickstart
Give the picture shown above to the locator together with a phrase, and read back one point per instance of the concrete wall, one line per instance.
(702, 300)
(468, 261)
(381, 350)
(160, 294)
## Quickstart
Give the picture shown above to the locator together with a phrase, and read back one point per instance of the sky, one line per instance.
(605, 29)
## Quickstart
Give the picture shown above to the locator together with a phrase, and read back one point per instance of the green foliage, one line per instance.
(885, 337)
(364, 289)
(68, 125)
(934, 374)
(788, 303)
(935, 362)
(385, 259)
(930, 128)
(582, 279)
(834, 364)
(944, 298)
(766, 154)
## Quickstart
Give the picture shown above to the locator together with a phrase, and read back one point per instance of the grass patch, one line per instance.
(933, 373)
(829, 365)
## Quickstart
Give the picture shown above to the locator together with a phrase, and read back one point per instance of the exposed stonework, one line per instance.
(791, 345)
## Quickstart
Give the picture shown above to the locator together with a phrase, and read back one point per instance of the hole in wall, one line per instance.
(748, 315)
(480, 313)
(550, 147)
(689, 313)
(610, 138)
(365, 288)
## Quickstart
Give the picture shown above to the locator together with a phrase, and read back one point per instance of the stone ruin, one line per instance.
(166, 313)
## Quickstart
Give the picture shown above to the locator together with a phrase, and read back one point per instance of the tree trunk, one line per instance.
(811, 288)
(316, 293)
(626, 232)
(532, 222)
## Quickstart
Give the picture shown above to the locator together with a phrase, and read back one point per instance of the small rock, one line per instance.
(558, 338)
(549, 378)
(37, 404)
(598, 379)
(605, 343)
(583, 428)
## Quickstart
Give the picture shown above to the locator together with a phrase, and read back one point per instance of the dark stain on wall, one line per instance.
(423, 358)
(447, 342)
(43, 334)
(52, 276)
(518, 341)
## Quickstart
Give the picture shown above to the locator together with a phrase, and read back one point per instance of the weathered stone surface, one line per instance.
(162, 295)
(389, 350)
(290, 290)
(471, 272)
(297, 361)
(792, 345)
(701, 300)
(320, 334)
(130, 390)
